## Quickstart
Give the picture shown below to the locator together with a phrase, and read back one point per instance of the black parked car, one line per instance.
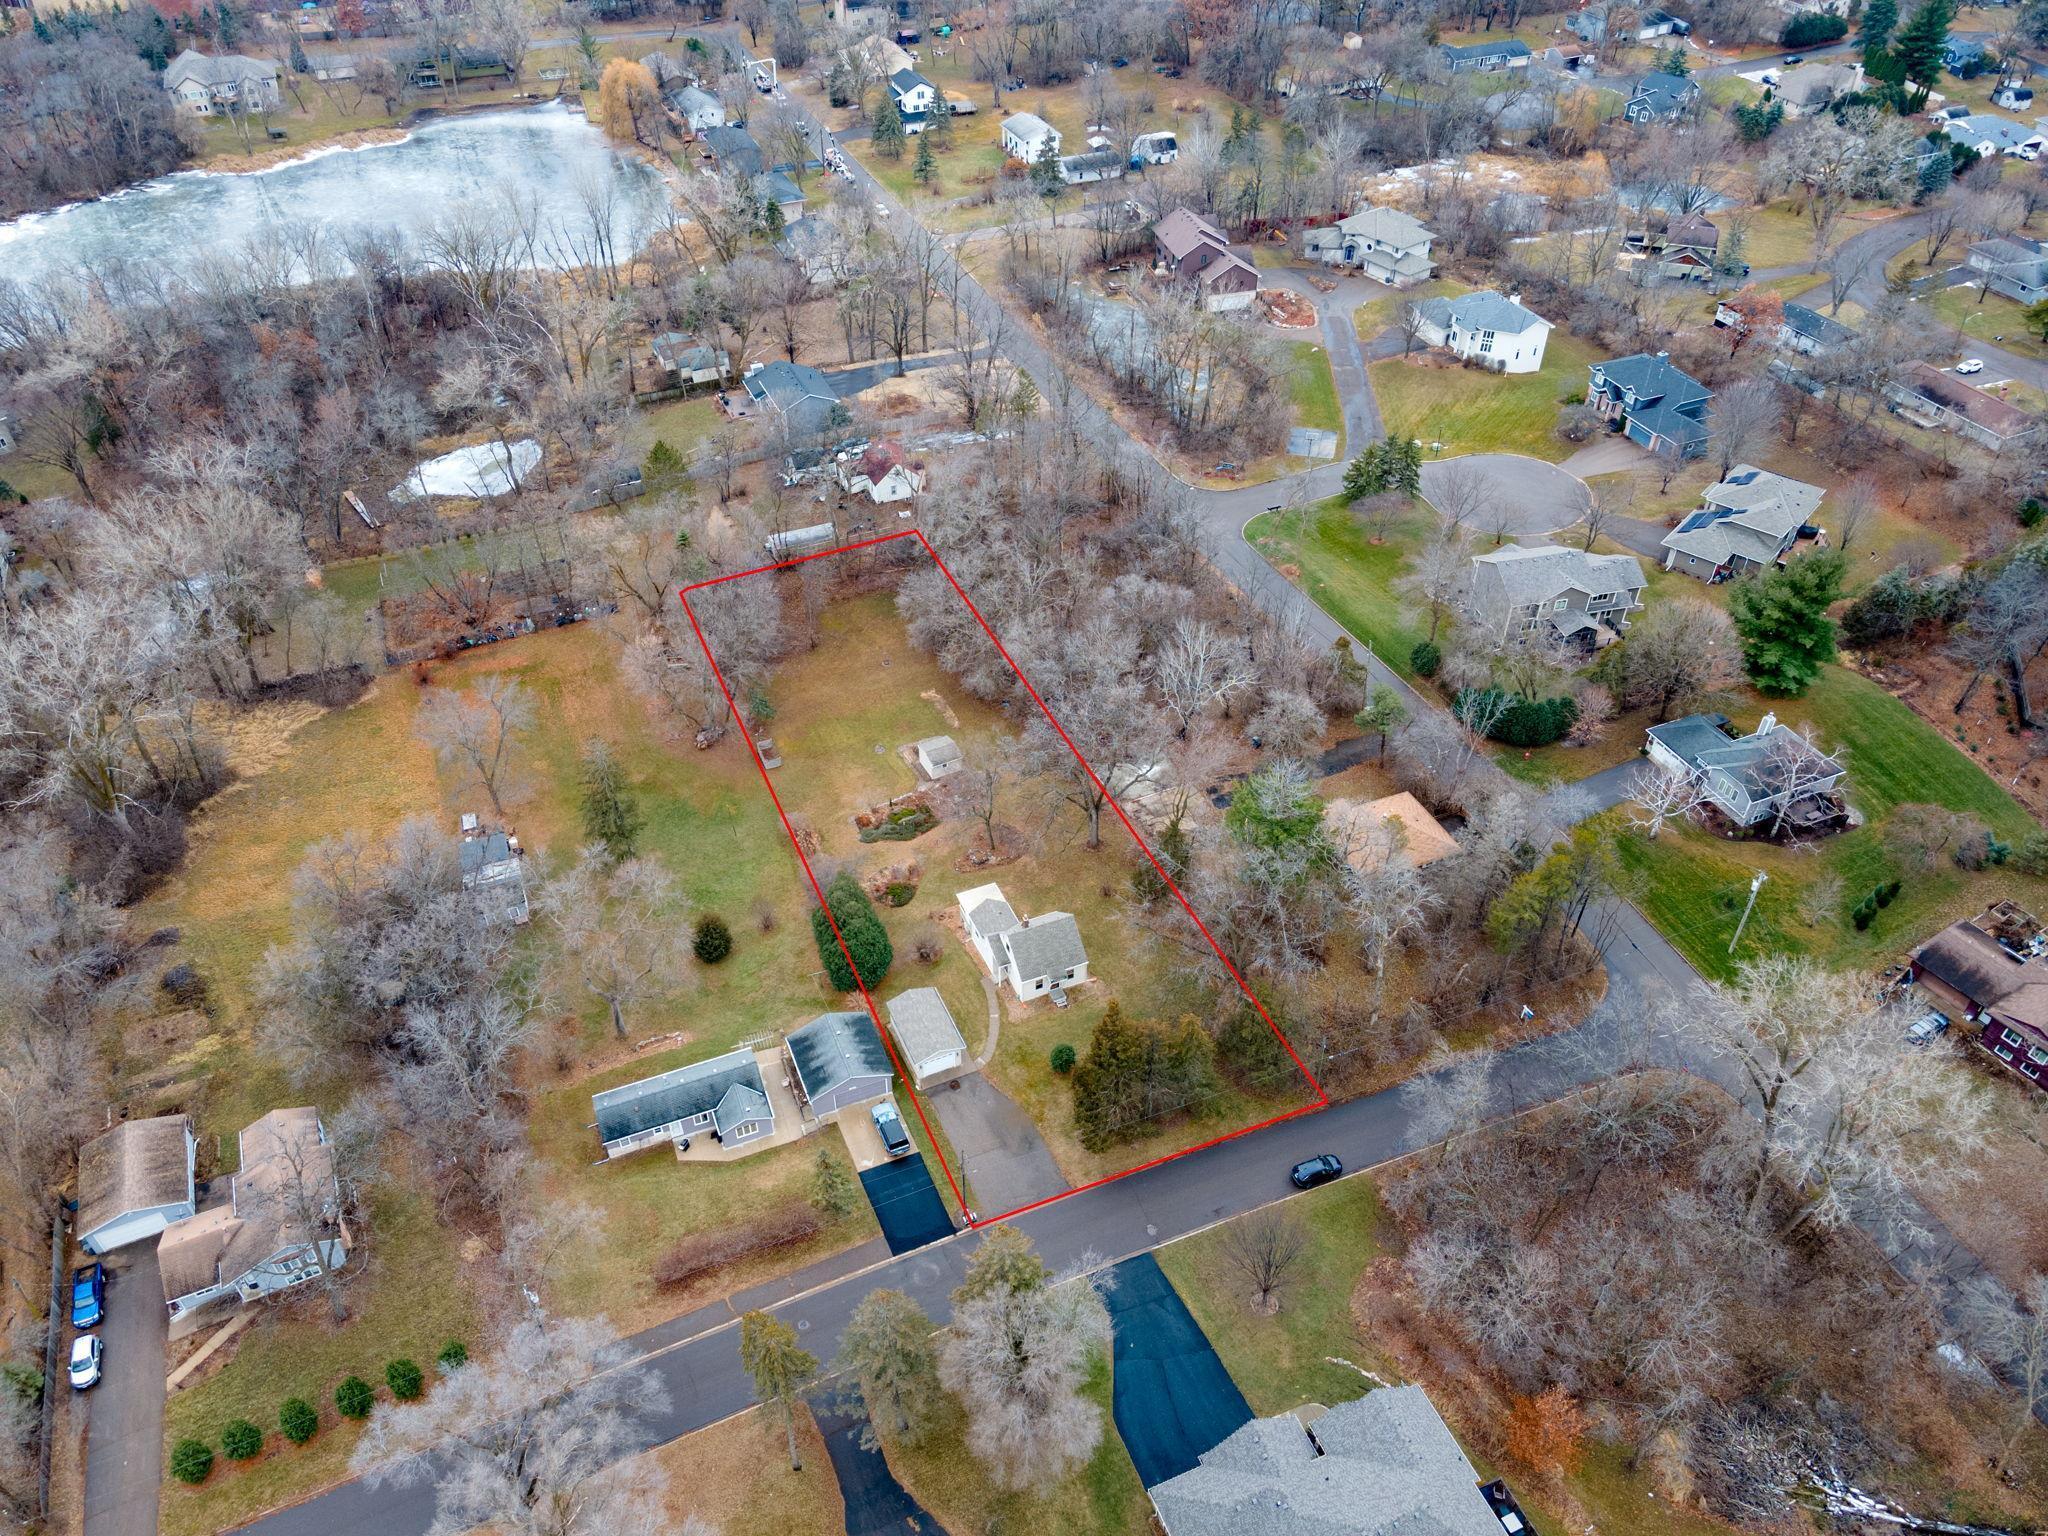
(1317, 1170)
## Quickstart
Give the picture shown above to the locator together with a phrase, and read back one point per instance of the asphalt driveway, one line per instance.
(1173, 1399)
(1542, 497)
(876, 1504)
(906, 1203)
(123, 1416)
(1002, 1154)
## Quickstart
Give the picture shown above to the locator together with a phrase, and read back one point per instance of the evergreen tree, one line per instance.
(1005, 1264)
(225, 25)
(1173, 854)
(782, 1369)
(1024, 397)
(610, 814)
(1275, 811)
(926, 167)
(939, 121)
(1880, 20)
(1109, 1080)
(773, 221)
(1672, 61)
(885, 131)
(1919, 48)
(1782, 617)
(833, 1190)
(888, 1347)
(1365, 475)
(1402, 461)
(1045, 172)
(865, 936)
(664, 470)
(298, 59)
(1384, 713)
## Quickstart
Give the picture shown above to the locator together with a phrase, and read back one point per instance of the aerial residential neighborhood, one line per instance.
(794, 767)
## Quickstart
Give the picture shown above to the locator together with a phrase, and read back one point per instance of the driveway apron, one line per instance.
(1173, 1399)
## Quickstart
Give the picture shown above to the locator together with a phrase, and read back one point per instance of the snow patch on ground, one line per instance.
(481, 469)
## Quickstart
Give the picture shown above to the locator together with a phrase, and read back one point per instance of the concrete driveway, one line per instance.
(123, 1416)
(1005, 1159)
(1540, 497)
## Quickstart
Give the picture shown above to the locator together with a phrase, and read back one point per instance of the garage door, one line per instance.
(129, 1229)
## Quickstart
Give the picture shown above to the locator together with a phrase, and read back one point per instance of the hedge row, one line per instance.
(697, 1255)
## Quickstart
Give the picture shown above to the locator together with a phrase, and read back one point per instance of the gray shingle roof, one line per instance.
(1488, 310)
(923, 1025)
(1816, 327)
(1047, 945)
(692, 1090)
(1384, 1465)
(734, 148)
(136, 1166)
(992, 917)
(1651, 378)
(742, 1102)
(1664, 94)
(1505, 48)
(835, 1048)
(1388, 225)
(1540, 572)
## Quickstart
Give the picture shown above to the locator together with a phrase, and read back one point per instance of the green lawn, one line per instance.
(1694, 884)
(1472, 411)
(682, 424)
(1314, 391)
(1329, 553)
(1982, 315)
(1282, 1361)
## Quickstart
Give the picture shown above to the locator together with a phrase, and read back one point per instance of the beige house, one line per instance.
(222, 84)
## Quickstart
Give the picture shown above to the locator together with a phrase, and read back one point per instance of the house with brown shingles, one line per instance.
(1196, 254)
(134, 1180)
(1983, 971)
(1925, 395)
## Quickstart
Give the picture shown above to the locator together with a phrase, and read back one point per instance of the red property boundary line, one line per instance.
(1321, 1099)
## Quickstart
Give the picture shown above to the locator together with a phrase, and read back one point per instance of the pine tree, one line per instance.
(1384, 713)
(298, 58)
(1024, 397)
(664, 469)
(1782, 617)
(866, 938)
(1365, 475)
(610, 814)
(1920, 46)
(833, 1190)
(225, 27)
(1880, 20)
(1045, 172)
(1672, 61)
(1109, 1081)
(886, 129)
(926, 167)
(1401, 459)
(1004, 1264)
(773, 220)
(939, 122)
(888, 1347)
(783, 1369)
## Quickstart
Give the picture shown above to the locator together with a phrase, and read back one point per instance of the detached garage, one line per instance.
(133, 1181)
(927, 1039)
(839, 1060)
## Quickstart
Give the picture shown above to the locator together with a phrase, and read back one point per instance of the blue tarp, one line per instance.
(907, 1204)
(1173, 1398)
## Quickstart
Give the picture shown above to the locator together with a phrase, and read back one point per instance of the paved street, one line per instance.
(124, 1414)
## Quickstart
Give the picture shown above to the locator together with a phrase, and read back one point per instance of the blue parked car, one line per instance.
(88, 1296)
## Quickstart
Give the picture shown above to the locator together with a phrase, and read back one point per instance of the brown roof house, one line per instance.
(1925, 395)
(1992, 971)
(133, 1181)
(1369, 833)
(279, 1225)
(1197, 254)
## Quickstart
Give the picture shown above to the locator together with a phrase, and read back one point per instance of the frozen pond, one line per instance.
(481, 469)
(542, 169)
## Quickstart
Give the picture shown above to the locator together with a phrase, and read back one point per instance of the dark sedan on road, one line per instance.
(1317, 1170)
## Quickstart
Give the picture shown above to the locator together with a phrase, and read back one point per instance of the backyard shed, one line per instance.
(839, 1060)
(927, 1039)
(938, 756)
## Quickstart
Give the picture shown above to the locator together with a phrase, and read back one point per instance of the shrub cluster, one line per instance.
(713, 940)
(705, 1252)
(405, 1379)
(1809, 29)
(1519, 722)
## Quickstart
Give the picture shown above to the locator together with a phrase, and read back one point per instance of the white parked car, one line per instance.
(1970, 365)
(85, 1360)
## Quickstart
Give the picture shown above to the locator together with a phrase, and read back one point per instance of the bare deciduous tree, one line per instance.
(1659, 793)
(477, 731)
(620, 927)
(1265, 1248)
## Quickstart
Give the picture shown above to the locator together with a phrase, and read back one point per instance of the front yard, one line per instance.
(1330, 554)
(1457, 410)
(1975, 313)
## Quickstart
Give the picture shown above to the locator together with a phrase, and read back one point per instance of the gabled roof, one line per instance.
(2001, 133)
(1965, 400)
(904, 81)
(1752, 761)
(923, 1025)
(1389, 226)
(1970, 960)
(1183, 229)
(1488, 310)
(138, 1165)
(690, 99)
(677, 1095)
(1028, 125)
(742, 1102)
(1538, 573)
(734, 147)
(1815, 326)
(1045, 945)
(834, 1049)
(1664, 93)
(939, 749)
(1423, 838)
(286, 1178)
(217, 70)
(777, 187)
(991, 914)
(788, 385)
(1652, 377)
(1504, 48)
(1694, 231)
(1753, 514)
(1382, 1465)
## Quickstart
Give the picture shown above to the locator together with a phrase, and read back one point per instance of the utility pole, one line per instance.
(1754, 886)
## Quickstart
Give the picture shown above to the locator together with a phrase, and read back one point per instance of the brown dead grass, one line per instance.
(735, 1477)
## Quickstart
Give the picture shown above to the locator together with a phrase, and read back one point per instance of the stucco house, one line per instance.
(134, 1180)
(221, 84)
(928, 1042)
(838, 1061)
(1743, 524)
(279, 1226)
(1384, 243)
(1752, 779)
(1032, 955)
(1486, 327)
(721, 1096)
(1025, 136)
(1651, 402)
(1517, 590)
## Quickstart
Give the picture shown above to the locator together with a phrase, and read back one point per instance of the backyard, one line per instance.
(1455, 410)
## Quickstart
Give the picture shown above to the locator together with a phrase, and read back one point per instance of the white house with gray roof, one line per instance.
(723, 1095)
(1382, 1465)
(1026, 135)
(1744, 523)
(1489, 328)
(928, 1042)
(1521, 590)
(1772, 772)
(1383, 243)
(1033, 955)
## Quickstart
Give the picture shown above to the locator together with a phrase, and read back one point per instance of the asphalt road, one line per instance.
(124, 1415)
